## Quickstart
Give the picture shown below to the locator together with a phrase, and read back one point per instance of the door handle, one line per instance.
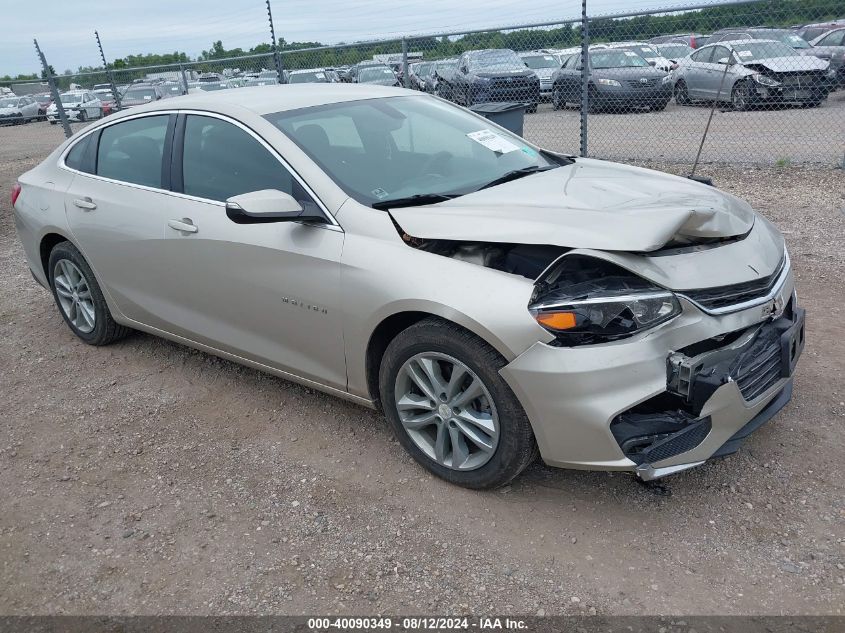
(185, 225)
(85, 204)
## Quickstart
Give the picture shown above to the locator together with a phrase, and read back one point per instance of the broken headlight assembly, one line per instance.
(584, 300)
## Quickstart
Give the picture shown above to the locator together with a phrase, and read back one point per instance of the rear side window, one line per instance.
(76, 157)
(704, 56)
(220, 160)
(834, 39)
(132, 151)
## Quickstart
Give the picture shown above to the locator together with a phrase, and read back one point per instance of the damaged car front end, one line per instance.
(673, 331)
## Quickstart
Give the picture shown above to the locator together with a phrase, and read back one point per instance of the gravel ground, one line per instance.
(147, 478)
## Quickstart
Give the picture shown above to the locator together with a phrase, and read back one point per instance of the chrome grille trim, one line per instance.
(769, 293)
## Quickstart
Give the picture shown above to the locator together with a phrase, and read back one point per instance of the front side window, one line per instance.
(221, 160)
(132, 151)
(407, 146)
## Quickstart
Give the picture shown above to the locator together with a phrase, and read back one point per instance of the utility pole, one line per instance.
(54, 92)
(277, 58)
(114, 91)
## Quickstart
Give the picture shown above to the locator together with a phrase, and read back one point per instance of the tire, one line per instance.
(65, 263)
(443, 345)
(659, 107)
(532, 107)
(557, 99)
(682, 94)
(83, 116)
(53, 122)
(740, 96)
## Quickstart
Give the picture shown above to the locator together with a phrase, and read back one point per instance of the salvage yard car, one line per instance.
(494, 75)
(493, 298)
(79, 105)
(749, 73)
(619, 80)
(15, 110)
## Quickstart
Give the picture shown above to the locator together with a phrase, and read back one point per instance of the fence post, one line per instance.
(54, 92)
(114, 90)
(585, 75)
(277, 59)
(184, 77)
(405, 79)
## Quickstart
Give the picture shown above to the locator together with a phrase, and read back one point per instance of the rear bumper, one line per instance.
(619, 407)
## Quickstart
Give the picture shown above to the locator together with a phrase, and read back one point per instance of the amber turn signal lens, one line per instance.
(557, 320)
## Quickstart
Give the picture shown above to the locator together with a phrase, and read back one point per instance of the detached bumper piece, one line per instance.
(672, 423)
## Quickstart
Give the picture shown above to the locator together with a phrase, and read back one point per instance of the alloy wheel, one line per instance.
(447, 411)
(74, 295)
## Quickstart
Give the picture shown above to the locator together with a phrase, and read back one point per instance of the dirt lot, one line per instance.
(148, 478)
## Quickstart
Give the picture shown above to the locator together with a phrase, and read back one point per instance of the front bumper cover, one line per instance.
(573, 396)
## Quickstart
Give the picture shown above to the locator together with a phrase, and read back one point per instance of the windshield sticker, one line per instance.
(745, 53)
(630, 53)
(493, 141)
(380, 193)
(529, 151)
(319, 75)
(147, 97)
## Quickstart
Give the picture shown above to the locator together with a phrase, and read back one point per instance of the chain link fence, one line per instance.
(765, 78)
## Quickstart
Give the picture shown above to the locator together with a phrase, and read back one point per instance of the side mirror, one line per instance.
(267, 205)
(727, 61)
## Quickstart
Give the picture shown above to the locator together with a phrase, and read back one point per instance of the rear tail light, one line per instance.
(16, 191)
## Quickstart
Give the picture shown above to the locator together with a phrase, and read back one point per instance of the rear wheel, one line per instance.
(450, 409)
(79, 298)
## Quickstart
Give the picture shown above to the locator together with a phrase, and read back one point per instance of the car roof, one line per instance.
(263, 100)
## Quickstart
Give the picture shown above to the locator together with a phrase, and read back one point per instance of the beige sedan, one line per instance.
(494, 299)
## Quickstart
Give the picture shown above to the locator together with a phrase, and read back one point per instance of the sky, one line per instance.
(65, 28)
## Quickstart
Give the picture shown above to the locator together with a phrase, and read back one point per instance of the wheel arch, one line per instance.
(393, 324)
(45, 247)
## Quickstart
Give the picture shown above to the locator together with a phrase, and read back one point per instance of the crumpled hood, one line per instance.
(589, 204)
(790, 64)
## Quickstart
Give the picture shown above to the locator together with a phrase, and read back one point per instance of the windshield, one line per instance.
(380, 150)
(70, 98)
(674, 51)
(6, 103)
(754, 51)
(616, 59)
(641, 49)
(375, 73)
(212, 87)
(787, 37)
(309, 77)
(422, 70)
(536, 62)
(268, 74)
(142, 94)
(499, 59)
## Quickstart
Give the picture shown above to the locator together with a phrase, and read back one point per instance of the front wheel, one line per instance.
(79, 298)
(741, 97)
(450, 409)
(557, 99)
(83, 116)
(682, 94)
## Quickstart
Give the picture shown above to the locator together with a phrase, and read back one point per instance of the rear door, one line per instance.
(697, 74)
(117, 208)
